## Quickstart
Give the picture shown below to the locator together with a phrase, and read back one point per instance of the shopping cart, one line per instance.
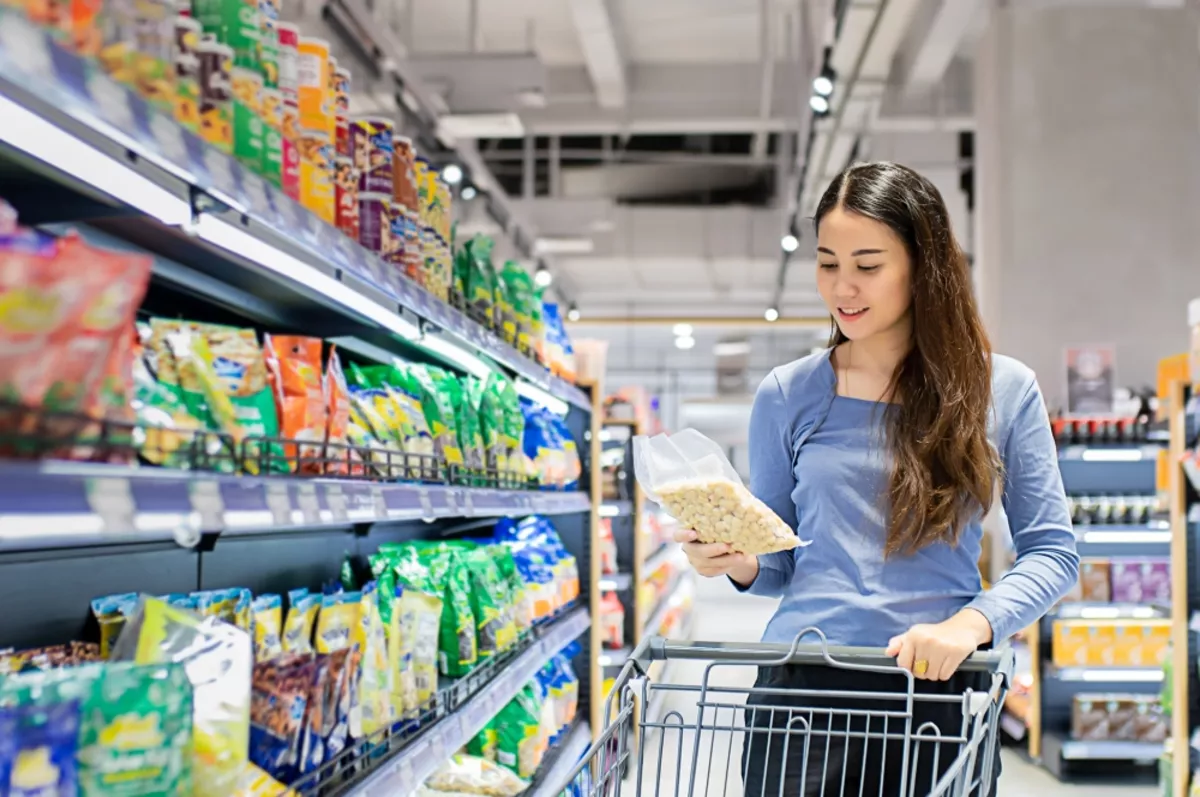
(713, 738)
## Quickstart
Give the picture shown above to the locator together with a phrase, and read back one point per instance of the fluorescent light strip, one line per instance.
(541, 397)
(239, 242)
(1126, 536)
(608, 510)
(1101, 675)
(1112, 455)
(1113, 612)
(35, 526)
(456, 354)
(47, 142)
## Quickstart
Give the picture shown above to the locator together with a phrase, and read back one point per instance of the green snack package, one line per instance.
(518, 742)
(493, 625)
(505, 310)
(486, 406)
(169, 428)
(438, 407)
(512, 419)
(480, 280)
(483, 744)
(445, 572)
(521, 294)
(469, 435)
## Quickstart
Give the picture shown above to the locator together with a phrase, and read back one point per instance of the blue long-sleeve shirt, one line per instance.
(820, 461)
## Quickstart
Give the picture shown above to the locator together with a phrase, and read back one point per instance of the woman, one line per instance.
(885, 451)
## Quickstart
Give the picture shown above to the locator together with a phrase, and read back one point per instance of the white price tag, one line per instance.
(256, 195)
(208, 503)
(426, 503)
(452, 502)
(306, 499)
(279, 501)
(112, 500)
(337, 502)
(437, 746)
(468, 504)
(378, 501)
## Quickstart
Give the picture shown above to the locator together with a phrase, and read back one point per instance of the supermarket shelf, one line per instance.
(616, 509)
(560, 761)
(1109, 611)
(407, 769)
(1070, 750)
(1114, 452)
(615, 658)
(656, 559)
(654, 624)
(616, 582)
(1105, 675)
(1151, 539)
(87, 135)
(62, 504)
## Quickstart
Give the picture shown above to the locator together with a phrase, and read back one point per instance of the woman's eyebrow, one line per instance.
(855, 253)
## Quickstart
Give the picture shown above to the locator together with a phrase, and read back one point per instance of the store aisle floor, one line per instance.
(720, 614)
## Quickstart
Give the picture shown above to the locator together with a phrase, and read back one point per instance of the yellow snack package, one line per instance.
(256, 783)
(301, 617)
(375, 682)
(111, 612)
(266, 613)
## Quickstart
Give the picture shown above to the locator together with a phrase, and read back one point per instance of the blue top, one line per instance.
(820, 462)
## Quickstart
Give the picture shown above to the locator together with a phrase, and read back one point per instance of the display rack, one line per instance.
(1184, 490)
(1094, 473)
(78, 150)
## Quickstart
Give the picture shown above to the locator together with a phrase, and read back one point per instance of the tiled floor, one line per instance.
(723, 615)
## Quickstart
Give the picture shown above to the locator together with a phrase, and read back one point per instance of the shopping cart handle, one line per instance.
(659, 649)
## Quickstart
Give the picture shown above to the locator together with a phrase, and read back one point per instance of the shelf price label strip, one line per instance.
(85, 502)
(409, 768)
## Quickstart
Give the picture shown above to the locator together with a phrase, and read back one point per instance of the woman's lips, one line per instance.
(852, 314)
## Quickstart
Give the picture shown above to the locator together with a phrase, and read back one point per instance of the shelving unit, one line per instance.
(77, 151)
(1184, 490)
(1102, 469)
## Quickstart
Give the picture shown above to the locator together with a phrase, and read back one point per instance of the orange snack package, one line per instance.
(295, 367)
(337, 409)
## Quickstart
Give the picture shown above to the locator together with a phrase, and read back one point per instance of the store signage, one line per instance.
(1091, 379)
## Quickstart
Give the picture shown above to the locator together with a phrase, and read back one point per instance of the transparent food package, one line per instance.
(688, 475)
(218, 660)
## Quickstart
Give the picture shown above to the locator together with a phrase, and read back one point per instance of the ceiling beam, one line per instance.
(600, 38)
(937, 40)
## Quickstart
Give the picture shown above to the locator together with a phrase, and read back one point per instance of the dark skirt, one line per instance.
(833, 754)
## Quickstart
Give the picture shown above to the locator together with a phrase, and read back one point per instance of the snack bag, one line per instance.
(337, 416)
(111, 612)
(294, 364)
(688, 475)
(44, 742)
(256, 783)
(280, 692)
(473, 775)
(479, 289)
(171, 430)
(438, 407)
(470, 438)
(301, 617)
(521, 294)
(217, 658)
(426, 611)
(267, 614)
(376, 677)
(519, 744)
(483, 744)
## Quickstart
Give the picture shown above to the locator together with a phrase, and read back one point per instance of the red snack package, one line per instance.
(294, 364)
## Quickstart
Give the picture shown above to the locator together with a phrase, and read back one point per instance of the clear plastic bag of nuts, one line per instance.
(688, 475)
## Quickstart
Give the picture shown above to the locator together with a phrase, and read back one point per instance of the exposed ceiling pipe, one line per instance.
(767, 84)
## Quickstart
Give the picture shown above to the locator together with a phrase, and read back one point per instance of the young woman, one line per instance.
(885, 451)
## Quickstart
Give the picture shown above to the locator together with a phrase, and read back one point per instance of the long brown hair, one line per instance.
(944, 468)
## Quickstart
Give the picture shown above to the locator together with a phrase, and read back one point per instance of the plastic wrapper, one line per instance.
(543, 447)
(376, 677)
(256, 783)
(267, 617)
(519, 743)
(42, 742)
(301, 617)
(218, 660)
(688, 475)
(281, 689)
(467, 428)
(337, 417)
(170, 428)
(438, 407)
(294, 365)
(473, 775)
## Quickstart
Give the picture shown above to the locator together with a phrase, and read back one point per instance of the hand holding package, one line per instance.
(688, 475)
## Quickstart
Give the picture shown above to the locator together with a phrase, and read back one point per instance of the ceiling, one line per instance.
(660, 150)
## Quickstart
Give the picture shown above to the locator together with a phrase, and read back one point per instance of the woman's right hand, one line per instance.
(717, 559)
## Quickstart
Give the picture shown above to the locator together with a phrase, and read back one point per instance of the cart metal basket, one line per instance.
(693, 738)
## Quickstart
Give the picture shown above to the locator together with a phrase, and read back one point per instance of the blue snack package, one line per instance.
(44, 753)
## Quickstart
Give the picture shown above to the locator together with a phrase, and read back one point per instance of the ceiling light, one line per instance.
(542, 277)
(682, 330)
(452, 174)
(822, 85)
(469, 193)
(573, 312)
(771, 314)
(790, 243)
(685, 342)
(732, 348)
(818, 103)
(563, 246)
(481, 125)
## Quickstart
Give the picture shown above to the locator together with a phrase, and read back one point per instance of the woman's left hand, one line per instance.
(934, 652)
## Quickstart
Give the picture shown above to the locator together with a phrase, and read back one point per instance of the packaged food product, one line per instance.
(466, 424)
(337, 415)
(521, 296)
(118, 31)
(473, 775)
(316, 174)
(44, 749)
(289, 168)
(288, 39)
(216, 94)
(154, 74)
(294, 364)
(376, 678)
(479, 284)
(438, 408)
(272, 149)
(267, 612)
(341, 110)
(414, 260)
(247, 117)
(135, 733)
(280, 692)
(689, 476)
(268, 50)
(483, 744)
(404, 187)
(235, 23)
(217, 658)
(312, 85)
(256, 783)
(346, 197)
(301, 617)
(374, 226)
(186, 59)
(612, 621)
(426, 611)
(371, 149)
(394, 248)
